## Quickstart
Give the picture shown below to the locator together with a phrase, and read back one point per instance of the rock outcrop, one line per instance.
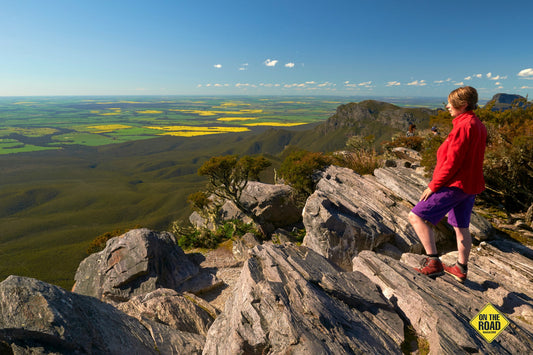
(138, 262)
(272, 205)
(502, 102)
(363, 117)
(288, 299)
(348, 213)
(291, 300)
(38, 318)
(350, 288)
(440, 310)
(185, 312)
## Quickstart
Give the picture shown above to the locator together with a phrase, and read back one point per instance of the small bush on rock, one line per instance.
(190, 237)
(99, 243)
(360, 155)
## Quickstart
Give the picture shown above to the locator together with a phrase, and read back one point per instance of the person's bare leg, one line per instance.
(424, 233)
(464, 244)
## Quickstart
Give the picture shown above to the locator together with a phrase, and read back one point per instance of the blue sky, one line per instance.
(206, 47)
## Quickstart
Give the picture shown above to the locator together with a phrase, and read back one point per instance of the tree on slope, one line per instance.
(228, 176)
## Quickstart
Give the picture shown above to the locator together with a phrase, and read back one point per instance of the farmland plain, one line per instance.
(32, 124)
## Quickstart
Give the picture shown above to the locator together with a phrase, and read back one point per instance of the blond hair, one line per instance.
(463, 95)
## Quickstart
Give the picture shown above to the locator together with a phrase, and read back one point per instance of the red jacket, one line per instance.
(460, 156)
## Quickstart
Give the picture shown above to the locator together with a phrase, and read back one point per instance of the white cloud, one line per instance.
(498, 77)
(468, 78)
(459, 83)
(394, 83)
(244, 66)
(346, 82)
(526, 87)
(289, 65)
(417, 83)
(489, 75)
(310, 82)
(438, 81)
(366, 83)
(478, 76)
(271, 62)
(497, 83)
(526, 73)
(218, 66)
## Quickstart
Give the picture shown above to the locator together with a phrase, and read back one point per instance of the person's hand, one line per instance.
(427, 192)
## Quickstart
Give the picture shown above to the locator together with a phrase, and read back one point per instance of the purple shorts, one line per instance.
(451, 200)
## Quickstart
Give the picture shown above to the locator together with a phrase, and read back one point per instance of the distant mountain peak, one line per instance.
(502, 101)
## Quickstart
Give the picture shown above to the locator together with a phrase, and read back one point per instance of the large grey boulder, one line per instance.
(348, 213)
(440, 309)
(133, 264)
(39, 318)
(289, 299)
(185, 312)
(272, 205)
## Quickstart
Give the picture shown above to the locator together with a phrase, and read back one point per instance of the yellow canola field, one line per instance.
(227, 119)
(150, 111)
(215, 112)
(107, 128)
(232, 104)
(117, 111)
(275, 124)
(190, 131)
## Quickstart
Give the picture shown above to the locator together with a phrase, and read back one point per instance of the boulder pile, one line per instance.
(349, 288)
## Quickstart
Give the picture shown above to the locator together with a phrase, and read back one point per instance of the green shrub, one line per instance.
(361, 162)
(198, 201)
(360, 156)
(298, 168)
(429, 153)
(189, 237)
(414, 142)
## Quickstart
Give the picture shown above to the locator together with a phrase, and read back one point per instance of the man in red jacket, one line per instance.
(457, 179)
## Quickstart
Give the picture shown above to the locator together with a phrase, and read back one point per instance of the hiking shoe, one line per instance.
(455, 272)
(431, 268)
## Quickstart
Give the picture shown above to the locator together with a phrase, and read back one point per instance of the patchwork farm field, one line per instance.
(33, 124)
